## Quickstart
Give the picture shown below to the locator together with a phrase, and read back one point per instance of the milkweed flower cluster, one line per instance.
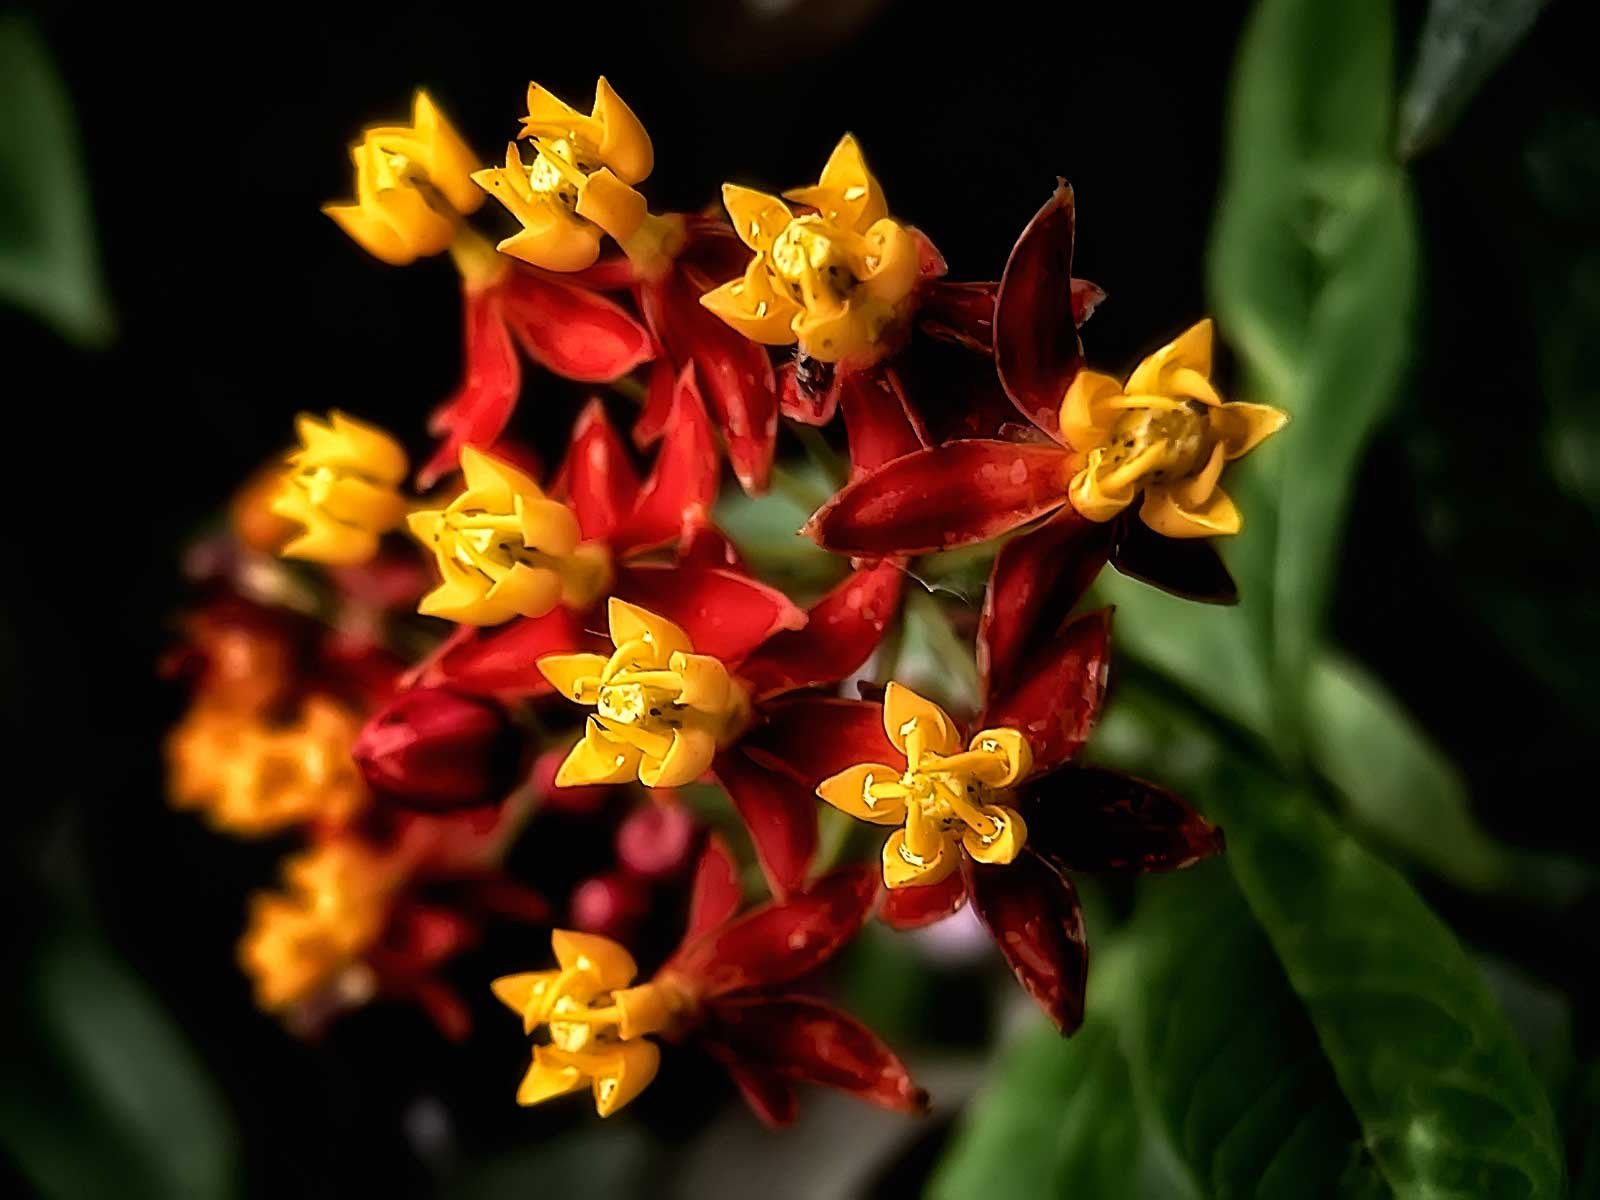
(413, 669)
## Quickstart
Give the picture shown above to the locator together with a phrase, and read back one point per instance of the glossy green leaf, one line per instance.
(48, 262)
(766, 529)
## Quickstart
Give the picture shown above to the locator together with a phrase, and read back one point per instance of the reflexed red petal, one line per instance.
(957, 395)
(502, 663)
(783, 940)
(491, 378)
(725, 614)
(841, 632)
(914, 907)
(1033, 914)
(881, 424)
(1086, 297)
(656, 839)
(713, 249)
(419, 937)
(652, 420)
(1056, 696)
(734, 373)
(1036, 580)
(947, 496)
(716, 893)
(570, 330)
(612, 273)
(677, 497)
(1186, 567)
(930, 262)
(807, 1041)
(1036, 345)
(433, 749)
(769, 1096)
(813, 737)
(808, 390)
(1092, 819)
(779, 811)
(597, 478)
(962, 313)
(706, 546)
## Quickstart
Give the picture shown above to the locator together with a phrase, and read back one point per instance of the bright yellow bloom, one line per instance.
(945, 799)
(252, 778)
(310, 937)
(505, 549)
(595, 1024)
(413, 184)
(661, 710)
(1167, 432)
(836, 280)
(578, 185)
(342, 485)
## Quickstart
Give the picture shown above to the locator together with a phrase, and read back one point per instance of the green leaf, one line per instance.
(932, 659)
(1400, 790)
(611, 1160)
(104, 1096)
(48, 262)
(766, 530)
(1462, 42)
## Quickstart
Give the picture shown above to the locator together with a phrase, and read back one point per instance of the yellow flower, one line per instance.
(661, 710)
(310, 937)
(506, 549)
(342, 486)
(413, 184)
(837, 280)
(1167, 432)
(945, 799)
(594, 1023)
(578, 185)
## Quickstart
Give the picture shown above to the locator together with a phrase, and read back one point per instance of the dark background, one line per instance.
(1470, 578)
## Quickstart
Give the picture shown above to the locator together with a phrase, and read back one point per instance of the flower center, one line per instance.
(559, 169)
(811, 259)
(945, 800)
(491, 544)
(1157, 444)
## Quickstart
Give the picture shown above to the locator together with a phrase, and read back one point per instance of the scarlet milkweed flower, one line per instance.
(342, 486)
(726, 990)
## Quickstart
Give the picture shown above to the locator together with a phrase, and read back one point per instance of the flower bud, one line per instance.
(656, 840)
(432, 749)
(611, 905)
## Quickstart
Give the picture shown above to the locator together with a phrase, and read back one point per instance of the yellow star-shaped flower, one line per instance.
(342, 485)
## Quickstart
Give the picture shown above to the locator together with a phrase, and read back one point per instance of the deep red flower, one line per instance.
(433, 749)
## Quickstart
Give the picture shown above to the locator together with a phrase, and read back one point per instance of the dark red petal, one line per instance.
(442, 1005)
(716, 893)
(477, 412)
(930, 262)
(1033, 914)
(1036, 345)
(612, 273)
(943, 497)
(962, 313)
(779, 811)
(808, 390)
(807, 1041)
(957, 394)
(1093, 819)
(841, 632)
(677, 497)
(1057, 695)
(432, 749)
(1086, 297)
(734, 373)
(652, 420)
(914, 907)
(1037, 579)
(501, 897)
(1186, 567)
(570, 330)
(725, 614)
(713, 249)
(769, 1096)
(813, 737)
(502, 663)
(783, 940)
(881, 424)
(707, 546)
(419, 937)
(597, 478)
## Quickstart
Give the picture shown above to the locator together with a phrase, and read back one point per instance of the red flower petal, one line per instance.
(612, 273)
(1186, 567)
(597, 478)
(1036, 580)
(571, 330)
(782, 941)
(769, 1096)
(502, 663)
(1057, 696)
(807, 1041)
(914, 907)
(682, 487)
(962, 313)
(813, 737)
(433, 749)
(943, 497)
(725, 614)
(841, 632)
(477, 412)
(881, 424)
(715, 894)
(1086, 297)
(1033, 914)
(1036, 345)
(779, 811)
(1092, 819)
(706, 546)
(652, 420)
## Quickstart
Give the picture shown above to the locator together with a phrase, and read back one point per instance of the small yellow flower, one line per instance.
(310, 936)
(594, 1023)
(578, 185)
(505, 549)
(945, 799)
(413, 184)
(836, 280)
(1166, 432)
(342, 486)
(661, 710)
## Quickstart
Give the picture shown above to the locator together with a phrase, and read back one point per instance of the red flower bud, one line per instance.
(433, 749)
(611, 905)
(656, 840)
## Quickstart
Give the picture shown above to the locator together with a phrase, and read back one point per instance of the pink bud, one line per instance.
(656, 840)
